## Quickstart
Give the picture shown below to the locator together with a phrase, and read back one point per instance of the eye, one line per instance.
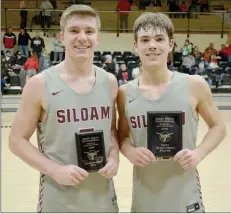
(89, 31)
(159, 39)
(74, 31)
(144, 40)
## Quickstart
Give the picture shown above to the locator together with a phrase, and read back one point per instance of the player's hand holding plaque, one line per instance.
(90, 150)
(164, 133)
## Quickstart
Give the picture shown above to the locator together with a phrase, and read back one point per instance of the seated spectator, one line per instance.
(229, 38)
(9, 62)
(225, 52)
(190, 47)
(213, 62)
(123, 75)
(207, 56)
(4, 69)
(203, 72)
(135, 72)
(117, 67)
(31, 66)
(4, 85)
(222, 52)
(189, 61)
(10, 59)
(209, 51)
(19, 61)
(186, 50)
(109, 65)
(197, 54)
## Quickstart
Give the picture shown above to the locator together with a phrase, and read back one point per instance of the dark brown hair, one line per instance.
(153, 20)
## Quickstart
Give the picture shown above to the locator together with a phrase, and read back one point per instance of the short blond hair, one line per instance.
(153, 20)
(79, 9)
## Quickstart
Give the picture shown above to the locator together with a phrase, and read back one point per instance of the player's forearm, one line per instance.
(126, 146)
(31, 155)
(114, 147)
(212, 139)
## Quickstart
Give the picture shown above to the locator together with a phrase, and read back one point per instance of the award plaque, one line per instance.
(164, 133)
(90, 150)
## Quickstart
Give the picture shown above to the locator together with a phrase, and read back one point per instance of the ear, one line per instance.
(171, 45)
(98, 38)
(61, 37)
(135, 45)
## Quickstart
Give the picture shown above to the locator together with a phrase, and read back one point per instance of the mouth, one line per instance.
(153, 54)
(81, 47)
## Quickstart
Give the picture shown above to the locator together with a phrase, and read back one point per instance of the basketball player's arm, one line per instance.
(114, 147)
(211, 115)
(111, 168)
(24, 125)
(125, 141)
(139, 156)
(201, 93)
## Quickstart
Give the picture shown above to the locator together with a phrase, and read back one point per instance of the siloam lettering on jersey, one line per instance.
(84, 114)
(139, 121)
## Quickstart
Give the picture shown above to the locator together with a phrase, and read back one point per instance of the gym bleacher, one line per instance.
(204, 22)
(132, 61)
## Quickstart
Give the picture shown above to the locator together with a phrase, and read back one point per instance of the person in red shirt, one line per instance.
(204, 6)
(123, 75)
(225, 52)
(123, 7)
(9, 41)
(183, 8)
(31, 66)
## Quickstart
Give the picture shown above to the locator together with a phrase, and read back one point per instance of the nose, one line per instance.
(82, 36)
(152, 44)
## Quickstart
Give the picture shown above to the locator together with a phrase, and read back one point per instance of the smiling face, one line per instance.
(153, 46)
(153, 34)
(80, 36)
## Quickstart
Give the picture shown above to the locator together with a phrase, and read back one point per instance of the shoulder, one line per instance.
(111, 79)
(126, 88)
(34, 89)
(123, 88)
(36, 82)
(199, 87)
(113, 85)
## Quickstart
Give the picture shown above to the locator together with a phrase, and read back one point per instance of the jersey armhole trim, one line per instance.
(46, 97)
(196, 119)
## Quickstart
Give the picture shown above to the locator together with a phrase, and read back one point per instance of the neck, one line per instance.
(155, 76)
(78, 67)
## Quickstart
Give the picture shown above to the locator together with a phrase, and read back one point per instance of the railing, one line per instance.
(190, 22)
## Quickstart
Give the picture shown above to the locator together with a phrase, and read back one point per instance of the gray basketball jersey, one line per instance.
(67, 113)
(163, 186)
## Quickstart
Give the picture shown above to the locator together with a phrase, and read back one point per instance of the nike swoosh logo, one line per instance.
(131, 100)
(54, 93)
